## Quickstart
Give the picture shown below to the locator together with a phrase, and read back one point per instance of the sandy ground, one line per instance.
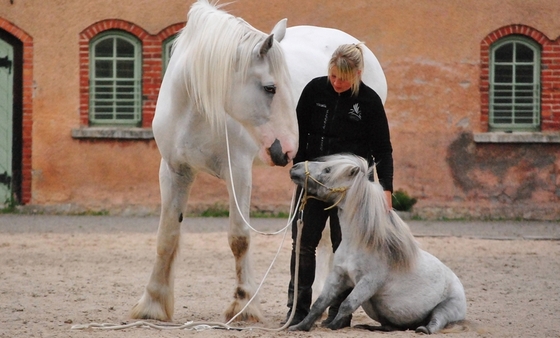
(61, 271)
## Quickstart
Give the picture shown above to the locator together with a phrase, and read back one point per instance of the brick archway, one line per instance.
(27, 106)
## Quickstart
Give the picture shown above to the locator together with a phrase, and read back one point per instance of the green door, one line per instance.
(6, 120)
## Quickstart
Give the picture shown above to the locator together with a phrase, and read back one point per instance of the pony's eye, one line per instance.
(327, 170)
(270, 89)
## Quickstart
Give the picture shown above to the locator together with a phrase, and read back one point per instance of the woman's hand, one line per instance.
(389, 198)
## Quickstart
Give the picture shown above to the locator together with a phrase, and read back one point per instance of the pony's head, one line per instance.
(232, 69)
(330, 177)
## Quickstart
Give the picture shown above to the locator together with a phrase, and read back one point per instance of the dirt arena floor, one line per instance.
(57, 272)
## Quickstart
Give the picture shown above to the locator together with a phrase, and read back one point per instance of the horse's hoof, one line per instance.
(251, 314)
(138, 312)
(148, 308)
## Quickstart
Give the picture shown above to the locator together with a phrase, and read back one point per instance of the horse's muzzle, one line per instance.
(277, 155)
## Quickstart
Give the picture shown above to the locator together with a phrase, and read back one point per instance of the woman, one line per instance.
(337, 113)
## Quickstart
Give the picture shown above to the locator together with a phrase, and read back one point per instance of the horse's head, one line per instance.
(262, 100)
(329, 177)
(232, 71)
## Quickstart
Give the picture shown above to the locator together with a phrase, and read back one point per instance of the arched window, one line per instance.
(167, 47)
(514, 84)
(115, 79)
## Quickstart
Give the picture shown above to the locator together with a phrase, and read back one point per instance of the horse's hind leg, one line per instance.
(157, 301)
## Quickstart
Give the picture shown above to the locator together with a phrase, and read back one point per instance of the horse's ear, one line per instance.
(279, 30)
(263, 47)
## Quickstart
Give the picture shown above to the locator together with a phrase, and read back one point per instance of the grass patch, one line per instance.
(402, 201)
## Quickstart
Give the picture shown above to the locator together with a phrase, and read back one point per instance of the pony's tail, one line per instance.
(373, 171)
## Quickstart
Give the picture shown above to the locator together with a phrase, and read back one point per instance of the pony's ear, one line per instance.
(279, 30)
(263, 47)
(375, 177)
(354, 171)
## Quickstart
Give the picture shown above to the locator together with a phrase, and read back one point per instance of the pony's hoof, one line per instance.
(422, 329)
(299, 327)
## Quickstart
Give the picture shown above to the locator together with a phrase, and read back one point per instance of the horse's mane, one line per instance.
(365, 213)
(211, 47)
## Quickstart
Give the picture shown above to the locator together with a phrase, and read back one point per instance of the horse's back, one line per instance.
(308, 50)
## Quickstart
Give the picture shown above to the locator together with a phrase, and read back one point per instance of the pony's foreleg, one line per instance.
(157, 301)
(334, 286)
(364, 290)
(239, 239)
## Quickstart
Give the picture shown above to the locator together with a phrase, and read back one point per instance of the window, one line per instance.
(115, 80)
(167, 49)
(514, 85)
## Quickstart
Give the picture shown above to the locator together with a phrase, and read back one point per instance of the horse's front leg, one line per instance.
(157, 301)
(239, 239)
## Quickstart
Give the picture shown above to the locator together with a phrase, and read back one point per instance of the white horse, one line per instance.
(225, 78)
(396, 283)
(223, 72)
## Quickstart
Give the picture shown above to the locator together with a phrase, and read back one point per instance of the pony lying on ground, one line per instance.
(397, 284)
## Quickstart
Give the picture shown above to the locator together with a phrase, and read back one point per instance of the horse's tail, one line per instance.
(464, 326)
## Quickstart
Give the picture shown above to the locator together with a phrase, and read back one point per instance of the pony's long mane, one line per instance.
(365, 214)
(211, 47)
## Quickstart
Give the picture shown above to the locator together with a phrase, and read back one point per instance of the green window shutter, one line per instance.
(515, 85)
(115, 80)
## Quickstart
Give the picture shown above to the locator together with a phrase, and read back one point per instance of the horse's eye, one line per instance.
(327, 170)
(270, 89)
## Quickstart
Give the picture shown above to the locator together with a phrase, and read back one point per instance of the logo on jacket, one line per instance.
(355, 114)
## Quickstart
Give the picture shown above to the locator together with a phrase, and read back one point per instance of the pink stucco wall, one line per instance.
(431, 54)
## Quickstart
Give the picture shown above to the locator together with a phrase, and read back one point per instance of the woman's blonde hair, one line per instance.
(349, 60)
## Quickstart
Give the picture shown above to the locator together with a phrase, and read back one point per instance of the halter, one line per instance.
(341, 190)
